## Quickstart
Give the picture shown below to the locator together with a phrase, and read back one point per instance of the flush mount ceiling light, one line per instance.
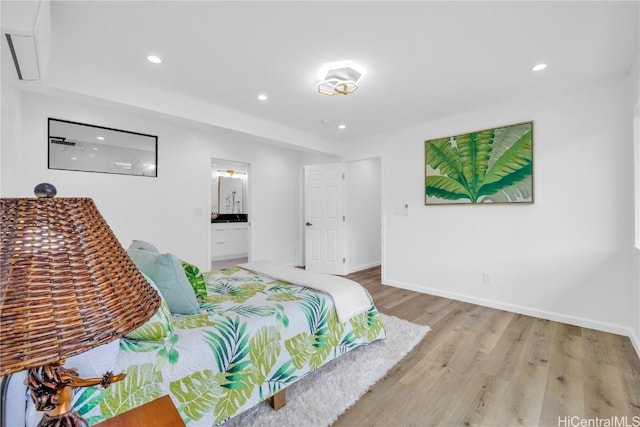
(263, 97)
(539, 67)
(339, 78)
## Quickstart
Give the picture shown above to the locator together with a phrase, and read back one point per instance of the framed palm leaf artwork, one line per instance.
(488, 166)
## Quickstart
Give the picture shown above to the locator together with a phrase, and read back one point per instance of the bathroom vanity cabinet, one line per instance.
(229, 240)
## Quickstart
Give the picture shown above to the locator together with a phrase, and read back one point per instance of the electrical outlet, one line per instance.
(487, 278)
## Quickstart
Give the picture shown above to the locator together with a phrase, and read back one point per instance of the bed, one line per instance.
(254, 335)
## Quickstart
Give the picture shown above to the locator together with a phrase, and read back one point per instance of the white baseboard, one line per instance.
(529, 311)
(635, 340)
(363, 267)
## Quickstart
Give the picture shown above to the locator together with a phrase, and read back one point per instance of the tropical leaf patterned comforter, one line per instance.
(254, 337)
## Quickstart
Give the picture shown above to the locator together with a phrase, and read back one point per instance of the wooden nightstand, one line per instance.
(157, 413)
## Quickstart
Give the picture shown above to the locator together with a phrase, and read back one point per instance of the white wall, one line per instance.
(363, 214)
(567, 257)
(171, 211)
(10, 131)
(635, 83)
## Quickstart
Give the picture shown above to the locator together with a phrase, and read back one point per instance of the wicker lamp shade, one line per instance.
(67, 285)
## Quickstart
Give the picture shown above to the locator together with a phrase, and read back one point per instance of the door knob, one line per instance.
(309, 224)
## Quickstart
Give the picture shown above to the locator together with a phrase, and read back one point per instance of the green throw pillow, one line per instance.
(197, 281)
(167, 273)
(159, 326)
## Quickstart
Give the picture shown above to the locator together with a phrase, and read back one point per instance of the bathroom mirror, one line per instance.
(229, 187)
(230, 193)
(83, 147)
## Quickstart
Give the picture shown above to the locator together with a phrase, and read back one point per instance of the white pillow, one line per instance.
(95, 362)
(33, 416)
(16, 404)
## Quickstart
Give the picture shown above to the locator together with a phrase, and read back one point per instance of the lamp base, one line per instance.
(51, 388)
(69, 419)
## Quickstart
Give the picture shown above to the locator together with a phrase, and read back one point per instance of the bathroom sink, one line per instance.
(230, 218)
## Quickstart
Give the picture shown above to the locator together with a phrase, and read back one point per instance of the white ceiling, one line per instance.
(424, 60)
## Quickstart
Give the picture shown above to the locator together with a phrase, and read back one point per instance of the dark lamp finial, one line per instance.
(45, 190)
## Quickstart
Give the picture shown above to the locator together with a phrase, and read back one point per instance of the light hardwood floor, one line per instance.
(218, 265)
(485, 367)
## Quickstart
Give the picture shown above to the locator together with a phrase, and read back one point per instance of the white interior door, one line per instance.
(324, 218)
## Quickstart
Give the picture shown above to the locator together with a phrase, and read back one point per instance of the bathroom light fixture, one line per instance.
(539, 67)
(230, 173)
(154, 59)
(339, 78)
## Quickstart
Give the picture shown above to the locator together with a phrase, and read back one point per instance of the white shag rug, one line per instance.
(321, 397)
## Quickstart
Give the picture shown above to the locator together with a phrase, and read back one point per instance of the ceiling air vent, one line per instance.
(25, 57)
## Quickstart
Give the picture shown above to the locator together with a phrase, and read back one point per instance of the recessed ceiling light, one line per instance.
(101, 138)
(154, 59)
(342, 127)
(263, 97)
(539, 67)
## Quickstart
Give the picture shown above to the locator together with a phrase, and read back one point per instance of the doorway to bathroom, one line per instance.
(230, 220)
